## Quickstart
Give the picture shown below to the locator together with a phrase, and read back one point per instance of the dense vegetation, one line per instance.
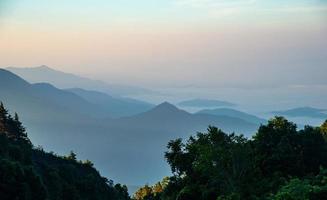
(278, 163)
(29, 173)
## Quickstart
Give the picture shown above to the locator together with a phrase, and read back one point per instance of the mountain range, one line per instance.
(203, 103)
(65, 80)
(304, 112)
(81, 120)
(234, 113)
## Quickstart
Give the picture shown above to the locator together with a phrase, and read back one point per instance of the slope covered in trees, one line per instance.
(29, 173)
(278, 163)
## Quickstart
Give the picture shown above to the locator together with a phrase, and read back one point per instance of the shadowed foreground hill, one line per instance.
(28, 173)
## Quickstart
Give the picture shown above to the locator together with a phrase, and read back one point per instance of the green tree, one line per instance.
(72, 156)
(3, 118)
(323, 129)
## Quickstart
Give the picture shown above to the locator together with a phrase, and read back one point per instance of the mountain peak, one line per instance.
(43, 67)
(165, 107)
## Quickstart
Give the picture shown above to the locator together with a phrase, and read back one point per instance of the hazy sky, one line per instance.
(216, 43)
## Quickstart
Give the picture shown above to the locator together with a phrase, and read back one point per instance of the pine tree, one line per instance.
(323, 129)
(3, 118)
(11, 126)
(20, 129)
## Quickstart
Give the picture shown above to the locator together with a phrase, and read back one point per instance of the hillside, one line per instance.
(30, 173)
(278, 163)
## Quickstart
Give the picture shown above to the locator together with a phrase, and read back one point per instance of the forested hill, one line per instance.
(278, 163)
(29, 173)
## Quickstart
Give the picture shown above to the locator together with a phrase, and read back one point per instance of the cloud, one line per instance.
(221, 8)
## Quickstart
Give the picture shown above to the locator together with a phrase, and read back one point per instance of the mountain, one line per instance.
(304, 112)
(35, 101)
(44, 96)
(144, 136)
(67, 80)
(202, 103)
(234, 113)
(168, 117)
(117, 107)
(65, 120)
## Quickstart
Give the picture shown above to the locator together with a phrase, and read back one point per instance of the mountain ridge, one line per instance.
(64, 80)
(234, 113)
(305, 111)
(202, 103)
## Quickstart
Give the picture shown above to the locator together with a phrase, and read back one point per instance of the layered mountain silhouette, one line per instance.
(67, 80)
(203, 103)
(79, 120)
(43, 96)
(234, 113)
(116, 106)
(303, 112)
(166, 116)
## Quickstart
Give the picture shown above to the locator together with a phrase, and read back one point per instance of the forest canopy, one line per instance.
(30, 173)
(278, 163)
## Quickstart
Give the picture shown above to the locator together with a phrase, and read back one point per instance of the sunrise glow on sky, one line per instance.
(163, 42)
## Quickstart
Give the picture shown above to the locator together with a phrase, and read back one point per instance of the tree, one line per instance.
(273, 145)
(211, 164)
(219, 166)
(32, 174)
(71, 156)
(143, 193)
(3, 118)
(323, 129)
(16, 130)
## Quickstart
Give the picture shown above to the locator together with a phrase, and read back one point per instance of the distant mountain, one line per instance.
(202, 103)
(64, 120)
(168, 117)
(117, 107)
(44, 96)
(67, 80)
(234, 113)
(36, 101)
(144, 136)
(304, 112)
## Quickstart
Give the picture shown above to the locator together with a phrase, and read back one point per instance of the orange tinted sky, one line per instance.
(177, 42)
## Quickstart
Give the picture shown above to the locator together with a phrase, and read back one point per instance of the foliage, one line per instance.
(305, 189)
(277, 163)
(28, 173)
(151, 193)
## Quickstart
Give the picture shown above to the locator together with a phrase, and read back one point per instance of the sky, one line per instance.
(249, 44)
